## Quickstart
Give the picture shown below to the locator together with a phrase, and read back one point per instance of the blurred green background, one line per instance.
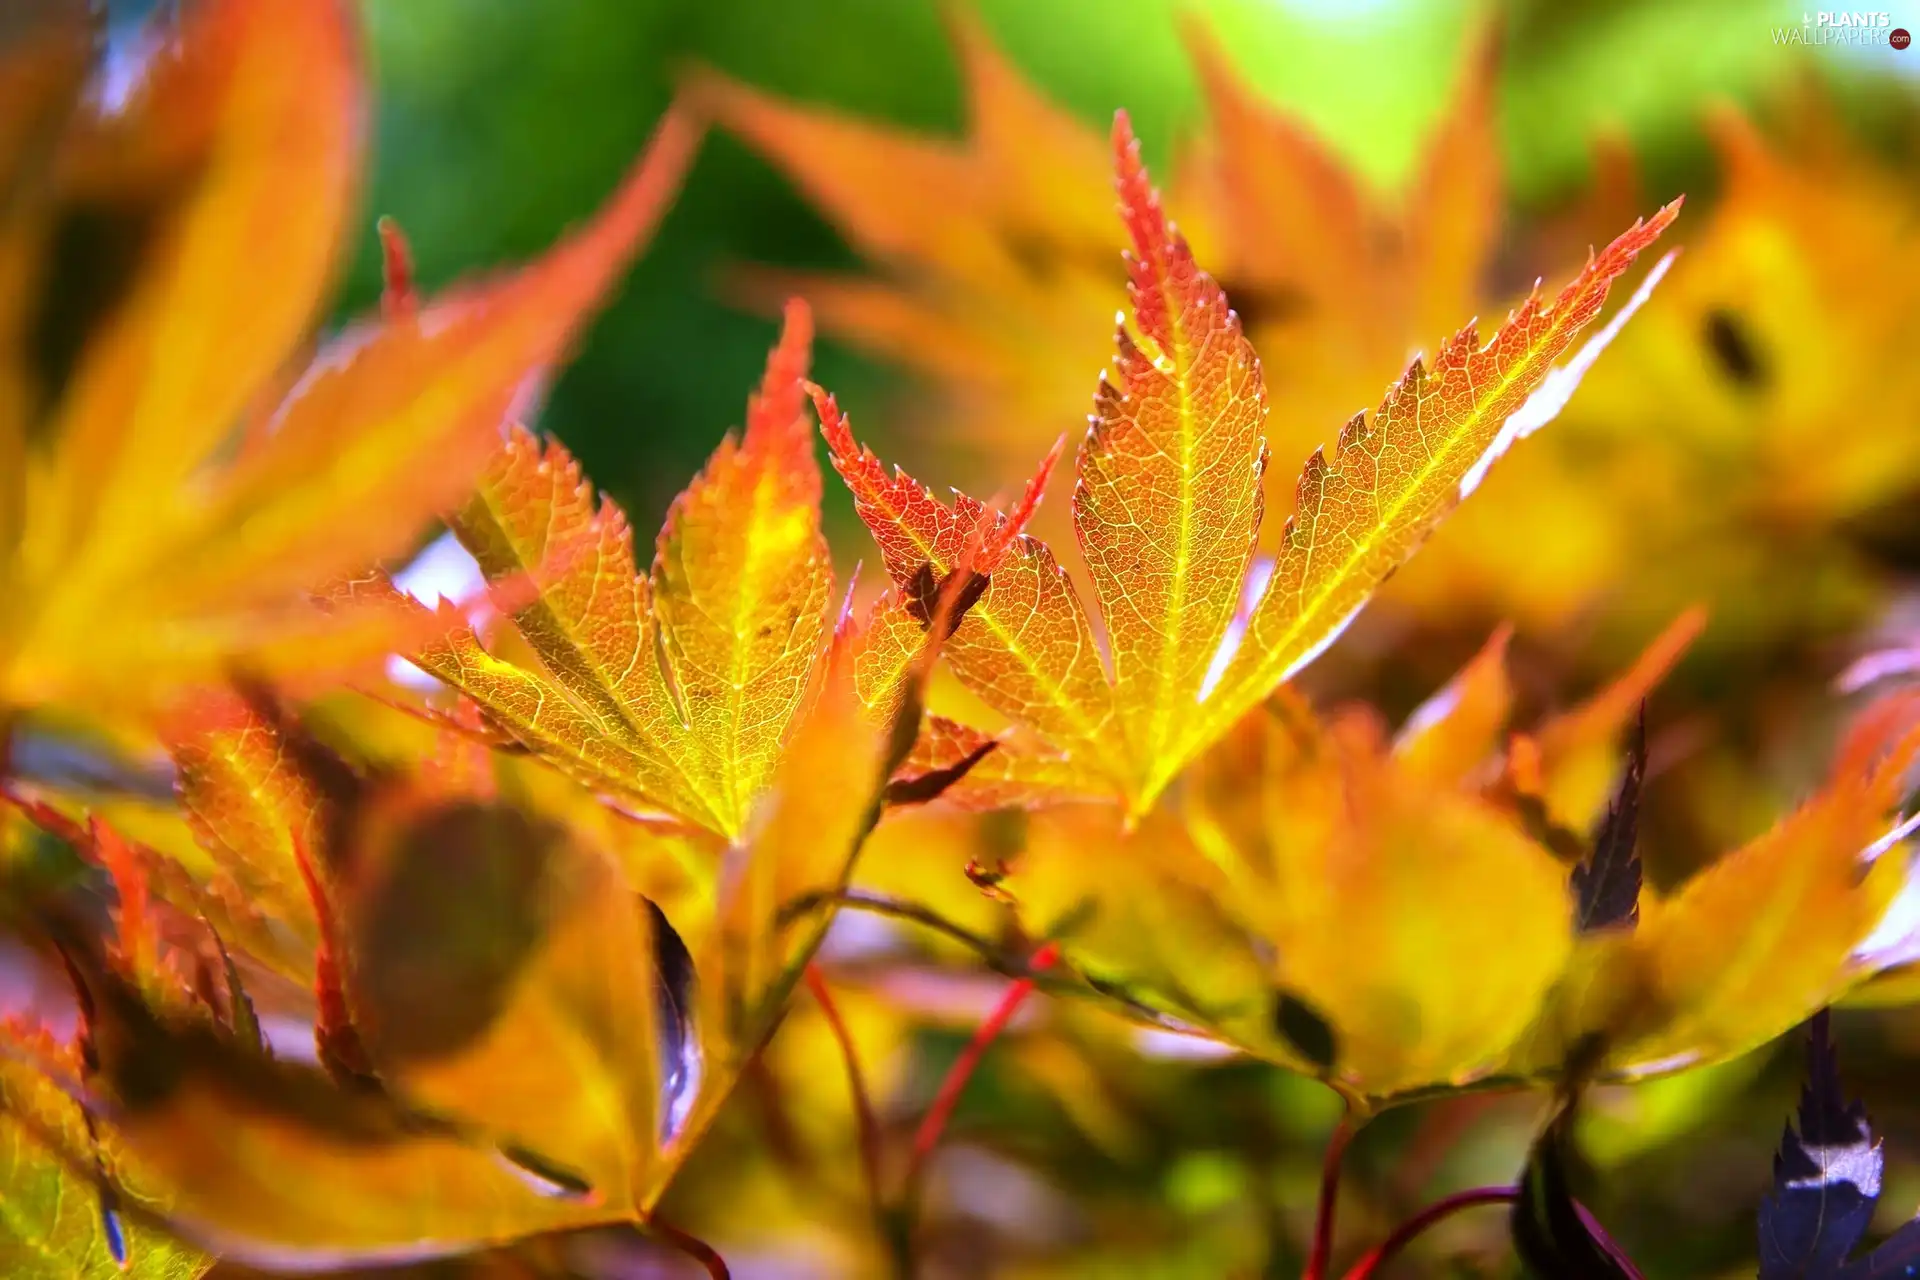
(502, 121)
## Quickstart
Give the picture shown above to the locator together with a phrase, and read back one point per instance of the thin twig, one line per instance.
(693, 1247)
(996, 957)
(1439, 1210)
(927, 1137)
(1404, 1234)
(1321, 1251)
(882, 905)
(1607, 1243)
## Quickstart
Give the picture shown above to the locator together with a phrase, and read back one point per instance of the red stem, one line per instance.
(1321, 1251)
(693, 1247)
(927, 1137)
(856, 1084)
(1607, 1243)
(1404, 1234)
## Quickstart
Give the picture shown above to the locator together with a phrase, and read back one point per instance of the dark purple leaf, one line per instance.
(1897, 1258)
(1606, 886)
(1826, 1177)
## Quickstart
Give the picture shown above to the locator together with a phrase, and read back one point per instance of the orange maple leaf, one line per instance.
(992, 253)
(1167, 511)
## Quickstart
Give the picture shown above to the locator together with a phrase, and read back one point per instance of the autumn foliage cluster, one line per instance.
(358, 929)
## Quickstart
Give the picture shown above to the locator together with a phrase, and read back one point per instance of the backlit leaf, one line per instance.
(525, 1003)
(1747, 947)
(1168, 502)
(1452, 735)
(1167, 505)
(1392, 477)
(678, 688)
(311, 1175)
(1026, 646)
(1418, 921)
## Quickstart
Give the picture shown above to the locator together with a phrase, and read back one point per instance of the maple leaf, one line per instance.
(252, 806)
(1416, 918)
(1700, 398)
(541, 1049)
(1338, 284)
(1751, 491)
(989, 257)
(1745, 948)
(1450, 736)
(76, 1207)
(736, 605)
(182, 463)
(55, 1227)
(1167, 510)
(1397, 916)
(1826, 1177)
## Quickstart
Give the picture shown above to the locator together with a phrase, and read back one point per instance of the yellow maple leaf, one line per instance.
(1748, 947)
(736, 605)
(1423, 938)
(1167, 511)
(178, 461)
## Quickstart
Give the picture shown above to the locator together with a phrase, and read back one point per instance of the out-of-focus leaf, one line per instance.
(1013, 222)
(1455, 732)
(524, 1003)
(253, 809)
(521, 1043)
(311, 1175)
(54, 1225)
(1702, 461)
(184, 468)
(991, 253)
(1745, 948)
(1419, 922)
(1579, 749)
(1337, 285)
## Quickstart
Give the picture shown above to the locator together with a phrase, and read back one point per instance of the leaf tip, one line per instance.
(399, 295)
